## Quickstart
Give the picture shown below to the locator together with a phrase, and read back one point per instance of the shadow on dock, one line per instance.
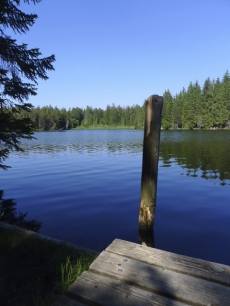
(131, 274)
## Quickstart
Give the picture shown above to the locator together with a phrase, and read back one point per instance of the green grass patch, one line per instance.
(70, 271)
(36, 271)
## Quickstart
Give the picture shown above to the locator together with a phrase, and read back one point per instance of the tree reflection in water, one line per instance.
(9, 215)
(202, 150)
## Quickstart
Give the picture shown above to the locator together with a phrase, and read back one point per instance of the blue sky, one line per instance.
(123, 51)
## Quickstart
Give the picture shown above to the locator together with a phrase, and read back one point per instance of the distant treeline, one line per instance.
(206, 107)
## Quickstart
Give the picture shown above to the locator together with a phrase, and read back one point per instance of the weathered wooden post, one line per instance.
(151, 144)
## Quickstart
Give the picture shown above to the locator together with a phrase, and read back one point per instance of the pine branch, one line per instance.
(11, 16)
(25, 61)
(16, 63)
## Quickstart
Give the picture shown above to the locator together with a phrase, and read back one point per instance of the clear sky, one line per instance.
(123, 51)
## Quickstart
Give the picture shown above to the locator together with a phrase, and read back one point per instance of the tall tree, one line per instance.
(221, 113)
(207, 104)
(226, 77)
(167, 120)
(226, 95)
(177, 110)
(17, 63)
(191, 114)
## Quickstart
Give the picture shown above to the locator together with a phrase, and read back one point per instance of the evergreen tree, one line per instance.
(177, 110)
(188, 109)
(226, 97)
(207, 104)
(220, 98)
(17, 63)
(207, 86)
(167, 120)
(226, 77)
(197, 105)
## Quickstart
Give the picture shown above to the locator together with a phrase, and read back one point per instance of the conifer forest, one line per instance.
(198, 107)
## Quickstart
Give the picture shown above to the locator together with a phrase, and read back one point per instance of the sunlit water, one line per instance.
(84, 186)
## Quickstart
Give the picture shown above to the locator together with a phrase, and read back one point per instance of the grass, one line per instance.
(36, 272)
(70, 272)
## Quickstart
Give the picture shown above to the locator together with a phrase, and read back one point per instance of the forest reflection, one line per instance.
(211, 155)
(9, 214)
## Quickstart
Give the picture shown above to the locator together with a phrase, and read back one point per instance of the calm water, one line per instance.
(84, 186)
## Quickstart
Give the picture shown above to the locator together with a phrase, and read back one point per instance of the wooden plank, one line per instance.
(181, 287)
(94, 289)
(191, 266)
(66, 301)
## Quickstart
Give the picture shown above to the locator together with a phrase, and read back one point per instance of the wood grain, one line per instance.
(191, 266)
(160, 280)
(130, 274)
(93, 288)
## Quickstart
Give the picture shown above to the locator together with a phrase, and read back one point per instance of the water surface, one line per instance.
(84, 186)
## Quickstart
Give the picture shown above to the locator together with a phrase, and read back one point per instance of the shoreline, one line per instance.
(79, 249)
(93, 128)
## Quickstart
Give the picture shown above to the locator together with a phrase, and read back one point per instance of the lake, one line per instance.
(84, 186)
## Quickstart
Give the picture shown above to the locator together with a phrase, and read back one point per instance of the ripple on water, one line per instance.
(85, 187)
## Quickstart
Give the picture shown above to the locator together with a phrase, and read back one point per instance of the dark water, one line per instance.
(84, 186)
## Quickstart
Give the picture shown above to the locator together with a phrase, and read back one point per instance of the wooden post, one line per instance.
(146, 237)
(151, 143)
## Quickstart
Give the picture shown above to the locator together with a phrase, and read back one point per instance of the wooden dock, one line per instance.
(131, 274)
